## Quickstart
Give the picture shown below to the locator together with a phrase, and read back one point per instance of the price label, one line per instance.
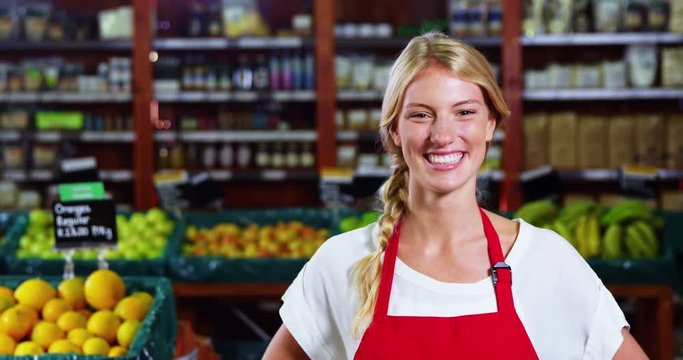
(85, 224)
(79, 170)
(171, 188)
(639, 180)
(81, 191)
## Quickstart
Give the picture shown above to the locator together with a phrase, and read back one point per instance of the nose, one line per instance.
(441, 133)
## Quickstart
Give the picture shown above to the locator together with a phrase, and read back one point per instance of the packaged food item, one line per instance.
(244, 155)
(563, 131)
(614, 74)
(606, 15)
(535, 140)
(592, 142)
(292, 156)
(533, 18)
(494, 18)
(8, 22)
(29, 199)
(209, 156)
(642, 64)
(227, 156)
(588, 76)
(672, 63)
(620, 141)
(242, 18)
(362, 72)
(459, 18)
(560, 76)
(340, 119)
(307, 156)
(35, 20)
(13, 156)
(582, 16)
(650, 139)
(342, 72)
(262, 157)
(44, 156)
(676, 16)
(357, 119)
(368, 160)
(674, 141)
(635, 15)
(8, 195)
(557, 15)
(658, 15)
(477, 19)
(346, 155)
(375, 118)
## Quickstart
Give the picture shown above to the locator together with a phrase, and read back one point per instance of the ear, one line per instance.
(490, 127)
(395, 136)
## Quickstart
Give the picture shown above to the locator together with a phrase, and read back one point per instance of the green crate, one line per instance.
(47, 267)
(157, 333)
(245, 270)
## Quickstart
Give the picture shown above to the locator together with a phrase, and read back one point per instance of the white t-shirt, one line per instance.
(566, 310)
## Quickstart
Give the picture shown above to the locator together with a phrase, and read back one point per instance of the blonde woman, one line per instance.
(461, 282)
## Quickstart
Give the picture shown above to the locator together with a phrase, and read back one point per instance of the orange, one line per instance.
(45, 333)
(78, 336)
(54, 308)
(7, 345)
(64, 346)
(16, 322)
(117, 351)
(104, 324)
(34, 293)
(127, 331)
(71, 290)
(28, 348)
(131, 308)
(71, 320)
(95, 346)
(6, 291)
(85, 312)
(6, 302)
(104, 289)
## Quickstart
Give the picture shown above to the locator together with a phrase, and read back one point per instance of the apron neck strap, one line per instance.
(387, 279)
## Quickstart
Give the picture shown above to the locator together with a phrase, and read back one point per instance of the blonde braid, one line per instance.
(368, 270)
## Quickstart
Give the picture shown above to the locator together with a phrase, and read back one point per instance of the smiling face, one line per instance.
(442, 129)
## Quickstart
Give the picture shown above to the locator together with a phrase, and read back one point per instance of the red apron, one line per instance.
(498, 335)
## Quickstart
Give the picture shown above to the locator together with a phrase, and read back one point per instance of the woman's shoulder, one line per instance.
(342, 251)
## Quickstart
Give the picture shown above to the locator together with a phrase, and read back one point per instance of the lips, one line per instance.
(444, 159)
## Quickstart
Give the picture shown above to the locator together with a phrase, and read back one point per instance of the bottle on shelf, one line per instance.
(243, 78)
(307, 158)
(244, 156)
(274, 70)
(263, 158)
(278, 157)
(261, 76)
(209, 156)
(226, 156)
(292, 157)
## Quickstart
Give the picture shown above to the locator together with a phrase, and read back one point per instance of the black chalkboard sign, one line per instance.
(85, 224)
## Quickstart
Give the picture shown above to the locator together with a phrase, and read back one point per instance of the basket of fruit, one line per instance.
(51, 318)
(142, 245)
(269, 245)
(626, 244)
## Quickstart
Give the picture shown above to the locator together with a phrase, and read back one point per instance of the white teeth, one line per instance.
(445, 159)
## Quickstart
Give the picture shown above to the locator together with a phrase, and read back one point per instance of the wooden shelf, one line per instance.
(602, 39)
(602, 94)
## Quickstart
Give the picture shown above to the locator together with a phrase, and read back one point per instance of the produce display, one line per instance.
(95, 316)
(143, 235)
(628, 230)
(351, 222)
(285, 239)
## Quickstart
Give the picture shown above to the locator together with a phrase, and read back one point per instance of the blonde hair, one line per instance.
(467, 64)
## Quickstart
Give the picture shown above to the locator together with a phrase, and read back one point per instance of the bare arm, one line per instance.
(629, 348)
(284, 347)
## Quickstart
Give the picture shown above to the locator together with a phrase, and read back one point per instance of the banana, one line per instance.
(581, 236)
(628, 210)
(635, 244)
(562, 229)
(648, 237)
(570, 213)
(537, 212)
(612, 242)
(593, 235)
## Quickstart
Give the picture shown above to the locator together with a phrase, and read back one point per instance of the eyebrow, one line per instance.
(463, 102)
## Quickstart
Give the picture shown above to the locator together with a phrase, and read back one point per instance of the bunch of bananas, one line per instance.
(631, 231)
(628, 230)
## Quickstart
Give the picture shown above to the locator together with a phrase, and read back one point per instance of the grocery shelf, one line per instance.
(65, 97)
(107, 136)
(353, 95)
(350, 135)
(10, 135)
(41, 175)
(236, 96)
(83, 136)
(259, 175)
(670, 174)
(611, 174)
(238, 136)
(601, 39)
(93, 45)
(224, 43)
(602, 94)
(384, 172)
(400, 42)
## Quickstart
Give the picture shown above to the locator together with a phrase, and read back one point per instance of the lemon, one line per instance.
(54, 308)
(64, 346)
(33, 313)
(71, 320)
(6, 291)
(28, 348)
(16, 322)
(6, 302)
(95, 346)
(34, 293)
(127, 331)
(7, 345)
(104, 289)
(131, 308)
(145, 297)
(45, 333)
(72, 291)
(104, 324)
(78, 336)
(117, 351)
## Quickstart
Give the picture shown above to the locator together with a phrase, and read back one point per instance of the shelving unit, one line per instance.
(56, 97)
(235, 96)
(602, 94)
(601, 39)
